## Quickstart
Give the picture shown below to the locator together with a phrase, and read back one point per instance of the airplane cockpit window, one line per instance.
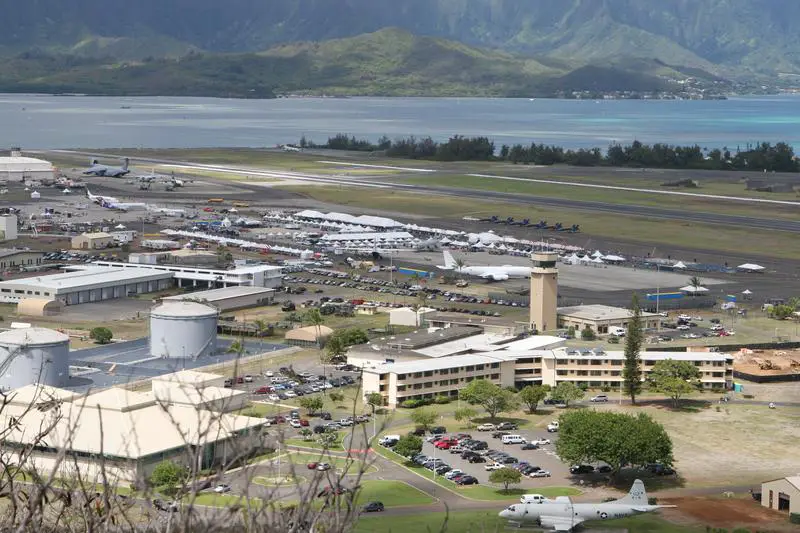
(512, 509)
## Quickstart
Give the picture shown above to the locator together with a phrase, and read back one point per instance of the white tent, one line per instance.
(119, 226)
(750, 267)
(597, 260)
(747, 291)
(584, 259)
(615, 258)
(693, 290)
(679, 264)
(597, 253)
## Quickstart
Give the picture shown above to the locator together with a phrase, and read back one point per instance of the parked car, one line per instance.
(453, 473)
(466, 480)
(540, 442)
(222, 488)
(529, 446)
(373, 507)
(161, 505)
(600, 398)
(507, 426)
(552, 427)
(493, 466)
(581, 469)
(486, 427)
(499, 434)
(321, 467)
(539, 473)
(438, 430)
(476, 459)
(248, 378)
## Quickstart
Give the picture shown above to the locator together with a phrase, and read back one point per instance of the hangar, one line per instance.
(16, 167)
(782, 494)
(230, 298)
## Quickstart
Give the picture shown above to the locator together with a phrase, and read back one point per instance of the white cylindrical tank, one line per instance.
(183, 329)
(33, 355)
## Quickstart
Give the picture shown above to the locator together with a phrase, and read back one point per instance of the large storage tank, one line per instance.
(181, 329)
(33, 355)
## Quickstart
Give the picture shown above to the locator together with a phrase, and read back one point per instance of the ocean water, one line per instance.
(39, 121)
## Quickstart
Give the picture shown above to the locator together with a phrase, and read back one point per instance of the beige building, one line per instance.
(489, 324)
(782, 494)
(92, 241)
(511, 367)
(229, 298)
(599, 318)
(8, 227)
(406, 316)
(131, 431)
(39, 307)
(200, 389)
(14, 259)
(544, 291)
(308, 336)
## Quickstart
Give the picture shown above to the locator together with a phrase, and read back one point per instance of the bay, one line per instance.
(42, 121)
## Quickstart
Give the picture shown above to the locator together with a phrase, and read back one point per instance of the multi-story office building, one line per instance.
(428, 378)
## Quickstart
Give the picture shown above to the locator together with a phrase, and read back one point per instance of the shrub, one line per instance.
(794, 518)
(571, 332)
(587, 334)
(442, 400)
(101, 335)
(411, 404)
(605, 389)
(652, 500)
(584, 387)
(613, 339)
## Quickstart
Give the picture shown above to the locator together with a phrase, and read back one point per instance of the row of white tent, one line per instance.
(228, 241)
(362, 220)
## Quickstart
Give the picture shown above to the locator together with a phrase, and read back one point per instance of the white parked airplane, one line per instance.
(563, 515)
(109, 202)
(167, 211)
(493, 273)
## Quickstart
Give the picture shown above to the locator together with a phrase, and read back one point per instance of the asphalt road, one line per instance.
(526, 199)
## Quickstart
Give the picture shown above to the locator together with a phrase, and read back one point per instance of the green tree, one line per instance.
(262, 327)
(781, 312)
(101, 335)
(168, 474)
(531, 395)
(237, 347)
(408, 446)
(587, 334)
(588, 436)
(306, 434)
(329, 439)
(695, 282)
(374, 400)
(313, 317)
(465, 414)
(335, 348)
(571, 332)
(505, 476)
(674, 378)
(492, 398)
(565, 392)
(423, 418)
(312, 404)
(632, 369)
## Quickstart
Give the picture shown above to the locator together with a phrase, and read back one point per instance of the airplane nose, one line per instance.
(503, 514)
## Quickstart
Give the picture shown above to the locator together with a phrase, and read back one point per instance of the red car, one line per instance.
(312, 466)
(445, 444)
(303, 422)
(240, 379)
(280, 419)
(263, 390)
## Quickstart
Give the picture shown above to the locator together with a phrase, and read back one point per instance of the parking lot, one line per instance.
(543, 458)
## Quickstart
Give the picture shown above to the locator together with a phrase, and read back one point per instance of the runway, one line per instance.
(737, 221)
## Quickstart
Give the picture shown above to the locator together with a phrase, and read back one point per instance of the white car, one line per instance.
(684, 317)
(453, 473)
(540, 442)
(540, 473)
(248, 378)
(269, 374)
(221, 488)
(684, 327)
(552, 427)
(486, 427)
(290, 394)
(274, 398)
(295, 423)
(327, 385)
(493, 466)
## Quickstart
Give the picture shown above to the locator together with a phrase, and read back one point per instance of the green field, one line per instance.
(650, 231)
(549, 190)
(489, 522)
(392, 493)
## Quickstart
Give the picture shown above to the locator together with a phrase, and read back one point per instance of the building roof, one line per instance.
(21, 164)
(187, 252)
(792, 480)
(425, 365)
(97, 235)
(11, 252)
(36, 394)
(196, 395)
(86, 277)
(118, 399)
(308, 333)
(183, 309)
(485, 342)
(584, 353)
(533, 342)
(421, 338)
(36, 306)
(215, 295)
(598, 312)
(34, 336)
(462, 319)
(190, 377)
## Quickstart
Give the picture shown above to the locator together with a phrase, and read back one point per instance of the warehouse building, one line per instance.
(782, 494)
(230, 298)
(8, 227)
(91, 284)
(188, 276)
(92, 241)
(192, 388)
(16, 167)
(127, 432)
(599, 318)
(515, 367)
(308, 336)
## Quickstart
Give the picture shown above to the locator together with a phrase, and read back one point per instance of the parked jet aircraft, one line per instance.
(491, 273)
(96, 169)
(109, 202)
(563, 515)
(96, 198)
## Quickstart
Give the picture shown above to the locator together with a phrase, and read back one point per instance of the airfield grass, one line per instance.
(571, 192)
(650, 231)
(489, 522)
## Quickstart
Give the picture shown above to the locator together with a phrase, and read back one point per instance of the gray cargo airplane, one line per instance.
(96, 169)
(563, 515)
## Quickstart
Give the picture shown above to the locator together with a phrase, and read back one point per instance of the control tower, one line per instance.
(544, 291)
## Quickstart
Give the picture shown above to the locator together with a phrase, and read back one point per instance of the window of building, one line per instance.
(401, 388)
(616, 362)
(417, 374)
(595, 373)
(478, 367)
(401, 376)
(561, 361)
(382, 388)
(417, 386)
(525, 361)
(470, 368)
(453, 382)
(561, 372)
(495, 376)
(494, 365)
(428, 374)
(444, 371)
(522, 371)
(597, 362)
(429, 384)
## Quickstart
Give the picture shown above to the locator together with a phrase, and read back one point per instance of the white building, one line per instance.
(513, 367)
(91, 284)
(192, 276)
(16, 167)
(406, 316)
(8, 227)
(228, 299)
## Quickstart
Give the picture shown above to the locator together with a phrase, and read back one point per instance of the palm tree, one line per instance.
(314, 318)
(261, 327)
(695, 282)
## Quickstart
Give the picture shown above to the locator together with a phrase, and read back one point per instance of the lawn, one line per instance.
(392, 493)
(300, 460)
(489, 522)
(651, 231)
(313, 444)
(212, 499)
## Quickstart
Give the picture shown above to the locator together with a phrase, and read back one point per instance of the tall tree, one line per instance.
(465, 414)
(408, 446)
(632, 371)
(506, 476)
(493, 398)
(374, 400)
(674, 378)
(423, 418)
(566, 391)
(532, 395)
(587, 436)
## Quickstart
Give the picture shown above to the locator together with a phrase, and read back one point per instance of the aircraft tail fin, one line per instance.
(125, 163)
(636, 496)
(449, 262)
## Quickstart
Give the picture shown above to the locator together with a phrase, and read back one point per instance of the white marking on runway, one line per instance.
(385, 167)
(282, 175)
(634, 189)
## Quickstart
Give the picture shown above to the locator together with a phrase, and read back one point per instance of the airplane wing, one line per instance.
(559, 523)
(495, 276)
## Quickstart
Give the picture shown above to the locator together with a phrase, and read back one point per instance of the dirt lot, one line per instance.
(728, 513)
